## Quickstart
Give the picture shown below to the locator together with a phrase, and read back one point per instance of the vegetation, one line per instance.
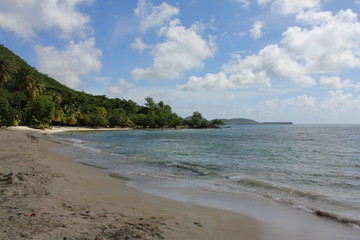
(28, 97)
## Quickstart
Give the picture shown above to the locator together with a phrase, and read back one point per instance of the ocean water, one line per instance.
(313, 168)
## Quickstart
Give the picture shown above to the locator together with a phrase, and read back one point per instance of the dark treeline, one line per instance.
(28, 97)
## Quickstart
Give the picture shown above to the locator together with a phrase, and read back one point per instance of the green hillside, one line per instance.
(28, 97)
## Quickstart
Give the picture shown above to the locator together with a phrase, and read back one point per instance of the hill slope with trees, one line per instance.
(29, 97)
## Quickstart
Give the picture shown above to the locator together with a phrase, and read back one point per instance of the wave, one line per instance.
(81, 145)
(258, 184)
(332, 216)
(292, 196)
(194, 168)
(75, 140)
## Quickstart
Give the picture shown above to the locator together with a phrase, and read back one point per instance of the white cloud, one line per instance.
(120, 89)
(340, 101)
(245, 3)
(26, 17)
(139, 45)
(303, 101)
(257, 30)
(68, 65)
(305, 81)
(183, 50)
(335, 83)
(329, 45)
(207, 82)
(152, 16)
(254, 70)
(288, 7)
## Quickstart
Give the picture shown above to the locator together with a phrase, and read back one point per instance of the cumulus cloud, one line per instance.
(184, 49)
(340, 101)
(254, 70)
(330, 44)
(335, 83)
(303, 101)
(68, 65)
(257, 30)
(139, 45)
(120, 89)
(288, 7)
(26, 18)
(305, 81)
(152, 16)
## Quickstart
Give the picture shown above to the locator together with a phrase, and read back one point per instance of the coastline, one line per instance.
(49, 196)
(76, 201)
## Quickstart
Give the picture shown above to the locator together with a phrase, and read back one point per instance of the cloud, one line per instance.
(339, 101)
(153, 16)
(183, 50)
(257, 30)
(245, 3)
(139, 45)
(26, 18)
(120, 89)
(68, 65)
(288, 7)
(303, 101)
(305, 81)
(252, 71)
(330, 45)
(335, 83)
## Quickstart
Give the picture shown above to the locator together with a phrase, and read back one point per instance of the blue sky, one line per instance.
(269, 60)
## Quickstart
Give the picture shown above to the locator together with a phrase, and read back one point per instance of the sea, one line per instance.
(311, 168)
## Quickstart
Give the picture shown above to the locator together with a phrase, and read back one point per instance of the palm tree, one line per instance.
(30, 86)
(4, 74)
(57, 99)
(59, 115)
(73, 115)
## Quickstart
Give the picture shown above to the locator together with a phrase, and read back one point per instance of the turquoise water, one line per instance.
(314, 168)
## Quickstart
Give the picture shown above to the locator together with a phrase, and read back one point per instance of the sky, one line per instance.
(268, 60)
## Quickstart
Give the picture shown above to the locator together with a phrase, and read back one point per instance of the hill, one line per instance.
(29, 97)
(239, 121)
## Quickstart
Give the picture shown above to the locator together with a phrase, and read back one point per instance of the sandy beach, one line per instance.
(48, 196)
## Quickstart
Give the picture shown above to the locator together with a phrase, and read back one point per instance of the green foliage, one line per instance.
(40, 112)
(95, 120)
(216, 123)
(6, 116)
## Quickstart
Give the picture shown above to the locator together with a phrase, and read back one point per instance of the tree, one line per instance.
(31, 87)
(6, 117)
(40, 112)
(95, 120)
(150, 103)
(73, 114)
(216, 123)
(4, 73)
(196, 119)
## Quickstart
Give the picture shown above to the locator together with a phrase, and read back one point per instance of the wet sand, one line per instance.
(44, 195)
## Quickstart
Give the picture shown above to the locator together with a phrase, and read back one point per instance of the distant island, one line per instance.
(245, 121)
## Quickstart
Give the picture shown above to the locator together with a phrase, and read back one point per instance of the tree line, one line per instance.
(28, 97)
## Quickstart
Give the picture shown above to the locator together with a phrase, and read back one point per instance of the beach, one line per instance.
(45, 195)
(48, 195)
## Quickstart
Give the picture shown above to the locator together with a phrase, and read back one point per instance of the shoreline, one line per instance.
(180, 214)
(50, 196)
